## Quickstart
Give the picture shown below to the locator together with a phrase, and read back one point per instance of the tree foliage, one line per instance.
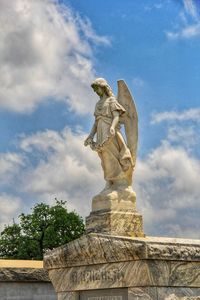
(46, 227)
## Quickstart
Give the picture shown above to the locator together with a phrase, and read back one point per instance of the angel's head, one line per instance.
(100, 86)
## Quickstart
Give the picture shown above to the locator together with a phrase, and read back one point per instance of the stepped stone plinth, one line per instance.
(114, 212)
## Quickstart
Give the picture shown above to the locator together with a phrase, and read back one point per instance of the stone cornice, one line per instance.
(94, 248)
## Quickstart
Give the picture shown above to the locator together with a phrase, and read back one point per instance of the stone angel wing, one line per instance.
(130, 117)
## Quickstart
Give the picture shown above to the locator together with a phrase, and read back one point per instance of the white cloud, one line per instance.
(192, 114)
(187, 32)
(170, 192)
(10, 163)
(191, 8)
(157, 5)
(167, 184)
(45, 52)
(188, 25)
(187, 136)
(65, 169)
(10, 206)
(86, 27)
(54, 165)
(167, 179)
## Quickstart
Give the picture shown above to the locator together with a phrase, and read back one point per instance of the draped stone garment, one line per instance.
(114, 154)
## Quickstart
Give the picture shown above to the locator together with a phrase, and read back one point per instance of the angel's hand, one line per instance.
(112, 131)
(88, 141)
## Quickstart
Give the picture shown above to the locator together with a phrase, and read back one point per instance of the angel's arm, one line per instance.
(115, 121)
(90, 137)
(93, 130)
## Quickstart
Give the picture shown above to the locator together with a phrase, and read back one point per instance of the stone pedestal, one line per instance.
(105, 267)
(114, 212)
(122, 223)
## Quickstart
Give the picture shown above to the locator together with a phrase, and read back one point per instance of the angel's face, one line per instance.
(99, 90)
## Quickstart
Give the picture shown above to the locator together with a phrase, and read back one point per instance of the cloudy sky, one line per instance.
(50, 51)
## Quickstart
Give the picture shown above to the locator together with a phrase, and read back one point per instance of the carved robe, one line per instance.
(115, 156)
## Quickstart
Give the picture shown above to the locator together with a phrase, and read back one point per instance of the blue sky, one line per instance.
(50, 51)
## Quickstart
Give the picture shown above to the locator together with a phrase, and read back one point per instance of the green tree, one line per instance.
(46, 227)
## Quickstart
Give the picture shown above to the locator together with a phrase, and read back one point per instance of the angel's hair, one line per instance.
(103, 83)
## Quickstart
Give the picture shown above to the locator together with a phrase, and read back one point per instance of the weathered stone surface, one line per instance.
(115, 200)
(174, 273)
(179, 250)
(148, 293)
(142, 293)
(146, 266)
(95, 277)
(94, 249)
(167, 293)
(170, 293)
(174, 297)
(24, 274)
(114, 212)
(127, 274)
(68, 296)
(145, 293)
(105, 294)
(27, 291)
(122, 223)
(99, 249)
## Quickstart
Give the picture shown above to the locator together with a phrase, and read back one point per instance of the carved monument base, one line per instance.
(104, 267)
(122, 223)
(114, 212)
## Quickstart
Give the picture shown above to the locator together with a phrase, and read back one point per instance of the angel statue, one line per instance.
(117, 154)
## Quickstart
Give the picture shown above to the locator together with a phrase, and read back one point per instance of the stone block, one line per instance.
(122, 223)
(182, 293)
(68, 296)
(117, 200)
(142, 293)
